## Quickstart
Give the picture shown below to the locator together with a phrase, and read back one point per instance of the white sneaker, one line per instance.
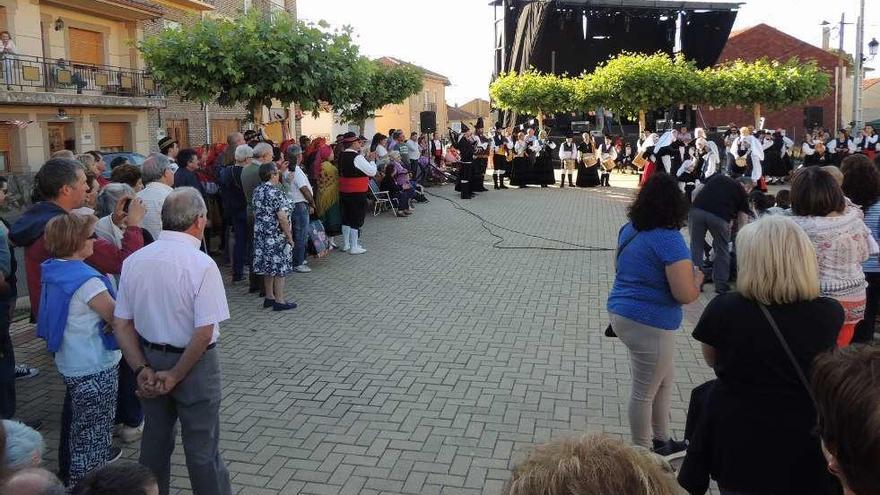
(130, 434)
(302, 269)
(356, 247)
(346, 235)
(357, 250)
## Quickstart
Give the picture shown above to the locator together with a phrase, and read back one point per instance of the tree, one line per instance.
(254, 60)
(765, 83)
(534, 93)
(386, 85)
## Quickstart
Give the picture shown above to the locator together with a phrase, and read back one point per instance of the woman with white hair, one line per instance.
(24, 447)
(755, 429)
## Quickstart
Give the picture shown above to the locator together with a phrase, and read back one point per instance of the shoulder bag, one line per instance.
(797, 367)
(609, 332)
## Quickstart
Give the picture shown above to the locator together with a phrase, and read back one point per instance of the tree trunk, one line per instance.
(362, 126)
(757, 115)
(540, 121)
(641, 121)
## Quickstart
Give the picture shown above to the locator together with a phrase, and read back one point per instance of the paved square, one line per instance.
(428, 364)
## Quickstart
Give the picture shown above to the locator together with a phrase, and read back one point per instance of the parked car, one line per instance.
(135, 159)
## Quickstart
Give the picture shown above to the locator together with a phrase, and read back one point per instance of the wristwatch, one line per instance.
(140, 367)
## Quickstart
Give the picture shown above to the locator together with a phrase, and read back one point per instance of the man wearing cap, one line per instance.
(466, 149)
(168, 147)
(354, 176)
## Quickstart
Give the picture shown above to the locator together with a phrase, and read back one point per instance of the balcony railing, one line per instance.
(29, 73)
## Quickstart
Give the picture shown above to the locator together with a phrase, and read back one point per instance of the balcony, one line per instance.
(29, 80)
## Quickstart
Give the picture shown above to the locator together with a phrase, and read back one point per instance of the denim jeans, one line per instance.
(240, 251)
(300, 220)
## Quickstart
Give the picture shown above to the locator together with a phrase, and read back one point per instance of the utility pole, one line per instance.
(859, 65)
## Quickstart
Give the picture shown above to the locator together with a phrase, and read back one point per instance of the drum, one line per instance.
(608, 164)
(741, 162)
(640, 161)
(590, 160)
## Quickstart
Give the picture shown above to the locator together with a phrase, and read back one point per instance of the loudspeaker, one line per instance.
(428, 121)
(813, 116)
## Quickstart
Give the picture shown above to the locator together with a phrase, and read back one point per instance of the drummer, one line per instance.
(608, 156)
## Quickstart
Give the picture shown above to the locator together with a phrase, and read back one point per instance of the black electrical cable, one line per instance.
(496, 245)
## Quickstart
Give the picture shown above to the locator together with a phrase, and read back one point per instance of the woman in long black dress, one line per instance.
(588, 164)
(522, 165)
(774, 166)
(544, 160)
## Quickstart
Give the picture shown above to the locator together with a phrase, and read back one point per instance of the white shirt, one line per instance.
(381, 151)
(363, 164)
(413, 150)
(567, 151)
(297, 181)
(153, 197)
(82, 350)
(169, 288)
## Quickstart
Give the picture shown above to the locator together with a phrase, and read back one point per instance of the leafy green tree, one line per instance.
(633, 83)
(386, 85)
(765, 83)
(253, 60)
(534, 93)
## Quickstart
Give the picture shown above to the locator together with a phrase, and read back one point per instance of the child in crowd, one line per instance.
(783, 203)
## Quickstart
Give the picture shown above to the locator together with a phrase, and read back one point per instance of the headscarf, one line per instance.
(665, 140)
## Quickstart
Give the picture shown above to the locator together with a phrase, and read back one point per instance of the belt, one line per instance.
(168, 347)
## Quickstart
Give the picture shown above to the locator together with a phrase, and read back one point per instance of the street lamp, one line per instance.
(872, 47)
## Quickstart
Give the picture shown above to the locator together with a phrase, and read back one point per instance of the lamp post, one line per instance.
(859, 66)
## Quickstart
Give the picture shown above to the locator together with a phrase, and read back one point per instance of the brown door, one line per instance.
(178, 130)
(58, 133)
(113, 136)
(86, 47)
(6, 163)
(221, 128)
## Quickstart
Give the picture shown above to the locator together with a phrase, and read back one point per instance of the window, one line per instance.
(113, 136)
(6, 154)
(86, 46)
(178, 130)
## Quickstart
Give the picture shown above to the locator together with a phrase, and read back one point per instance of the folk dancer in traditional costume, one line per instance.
(588, 163)
(543, 149)
(666, 150)
(625, 159)
(481, 157)
(646, 150)
(841, 147)
(709, 160)
(774, 163)
(607, 157)
(466, 149)
(499, 157)
(820, 155)
(568, 156)
(354, 176)
(748, 147)
(689, 172)
(867, 142)
(521, 162)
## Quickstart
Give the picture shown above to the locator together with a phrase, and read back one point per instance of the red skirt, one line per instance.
(647, 171)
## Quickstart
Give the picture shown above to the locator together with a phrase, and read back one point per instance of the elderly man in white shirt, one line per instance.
(169, 306)
(158, 177)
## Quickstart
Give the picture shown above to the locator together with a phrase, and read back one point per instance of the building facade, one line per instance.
(763, 41)
(407, 115)
(480, 108)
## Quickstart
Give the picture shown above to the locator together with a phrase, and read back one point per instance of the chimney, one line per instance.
(826, 38)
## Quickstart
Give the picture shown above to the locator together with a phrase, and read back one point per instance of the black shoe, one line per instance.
(670, 449)
(283, 306)
(114, 454)
(268, 303)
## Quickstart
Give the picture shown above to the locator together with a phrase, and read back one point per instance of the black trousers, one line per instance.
(479, 175)
(864, 332)
(354, 209)
(7, 362)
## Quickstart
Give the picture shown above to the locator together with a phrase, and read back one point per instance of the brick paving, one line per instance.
(429, 364)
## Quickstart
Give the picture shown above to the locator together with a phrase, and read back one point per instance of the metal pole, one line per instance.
(859, 68)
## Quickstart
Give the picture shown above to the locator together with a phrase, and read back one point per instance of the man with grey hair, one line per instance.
(720, 201)
(236, 208)
(167, 322)
(158, 177)
(32, 481)
(250, 179)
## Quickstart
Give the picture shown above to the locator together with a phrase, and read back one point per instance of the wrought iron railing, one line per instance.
(29, 73)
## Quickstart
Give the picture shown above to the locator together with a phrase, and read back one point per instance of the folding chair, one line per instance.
(381, 200)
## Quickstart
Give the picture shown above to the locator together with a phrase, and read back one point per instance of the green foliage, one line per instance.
(764, 82)
(534, 93)
(386, 85)
(633, 82)
(253, 60)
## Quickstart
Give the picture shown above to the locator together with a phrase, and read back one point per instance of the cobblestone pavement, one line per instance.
(427, 365)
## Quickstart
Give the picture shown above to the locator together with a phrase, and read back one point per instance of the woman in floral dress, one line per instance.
(273, 240)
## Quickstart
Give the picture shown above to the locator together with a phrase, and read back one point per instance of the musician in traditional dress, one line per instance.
(689, 172)
(747, 147)
(774, 163)
(841, 147)
(481, 157)
(465, 146)
(499, 157)
(588, 163)
(867, 142)
(607, 157)
(568, 156)
(543, 149)
(521, 162)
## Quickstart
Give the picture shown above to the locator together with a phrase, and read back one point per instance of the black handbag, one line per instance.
(609, 332)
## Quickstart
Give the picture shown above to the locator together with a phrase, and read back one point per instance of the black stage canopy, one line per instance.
(573, 36)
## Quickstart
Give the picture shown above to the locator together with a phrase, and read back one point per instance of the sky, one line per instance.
(454, 37)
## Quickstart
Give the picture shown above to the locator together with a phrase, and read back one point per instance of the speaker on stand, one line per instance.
(428, 122)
